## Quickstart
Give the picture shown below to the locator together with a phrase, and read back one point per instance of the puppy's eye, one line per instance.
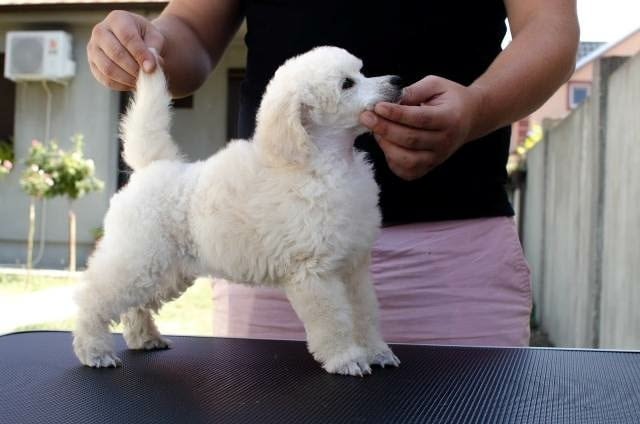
(347, 83)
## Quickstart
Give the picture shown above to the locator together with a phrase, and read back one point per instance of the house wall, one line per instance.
(581, 216)
(557, 106)
(86, 107)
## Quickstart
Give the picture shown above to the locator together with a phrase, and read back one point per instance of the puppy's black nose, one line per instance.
(396, 81)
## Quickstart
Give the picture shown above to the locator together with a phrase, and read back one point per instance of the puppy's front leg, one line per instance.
(364, 303)
(323, 307)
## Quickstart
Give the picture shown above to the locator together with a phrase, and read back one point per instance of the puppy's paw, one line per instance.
(95, 352)
(384, 358)
(353, 362)
(136, 341)
(156, 344)
(102, 360)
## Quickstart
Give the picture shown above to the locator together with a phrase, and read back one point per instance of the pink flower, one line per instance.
(35, 143)
(7, 164)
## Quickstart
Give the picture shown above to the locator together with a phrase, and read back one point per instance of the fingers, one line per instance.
(111, 47)
(129, 29)
(407, 164)
(154, 39)
(118, 48)
(419, 92)
(420, 117)
(108, 68)
(410, 152)
(402, 135)
(106, 81)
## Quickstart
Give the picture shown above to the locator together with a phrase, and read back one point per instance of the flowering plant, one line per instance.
(36, 179)
(52, 171)
(6, 157)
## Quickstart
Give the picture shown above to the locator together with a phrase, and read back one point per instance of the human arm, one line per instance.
(437, 116)
(190, 36)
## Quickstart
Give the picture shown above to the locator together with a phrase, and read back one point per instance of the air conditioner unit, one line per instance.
(38, 55)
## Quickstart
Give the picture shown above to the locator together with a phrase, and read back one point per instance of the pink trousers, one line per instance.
(455, 282)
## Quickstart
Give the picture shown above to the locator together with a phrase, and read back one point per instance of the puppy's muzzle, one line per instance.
(394, 90)
(396, 81)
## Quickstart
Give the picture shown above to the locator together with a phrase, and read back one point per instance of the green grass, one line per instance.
(17, 284)
(53, 325)
(190, 314)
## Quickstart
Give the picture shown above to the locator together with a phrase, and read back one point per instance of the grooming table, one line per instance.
(215, 380)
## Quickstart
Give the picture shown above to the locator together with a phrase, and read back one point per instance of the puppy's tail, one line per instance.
(145, 128)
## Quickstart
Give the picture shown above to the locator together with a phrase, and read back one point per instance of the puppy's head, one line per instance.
(321, 91)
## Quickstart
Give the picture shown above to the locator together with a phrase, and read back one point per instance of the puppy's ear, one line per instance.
(280, 132)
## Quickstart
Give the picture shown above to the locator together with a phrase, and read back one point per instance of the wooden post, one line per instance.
(32, 225)
(72, 240)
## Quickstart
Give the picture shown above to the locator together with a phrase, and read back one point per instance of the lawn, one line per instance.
(190, 314)
(16, 284)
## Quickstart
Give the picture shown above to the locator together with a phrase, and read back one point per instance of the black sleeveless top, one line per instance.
(454, 39)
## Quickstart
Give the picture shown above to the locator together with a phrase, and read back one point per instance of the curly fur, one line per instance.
(294, 208)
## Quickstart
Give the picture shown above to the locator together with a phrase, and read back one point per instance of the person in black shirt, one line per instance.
(448, 267)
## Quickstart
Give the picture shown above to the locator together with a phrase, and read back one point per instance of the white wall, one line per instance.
(81, 106)
(87, 107)
(203, 130)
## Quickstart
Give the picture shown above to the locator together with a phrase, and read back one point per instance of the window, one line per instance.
(124, 171)
(183, 103)
(234, 82)
(7, 108)
(578, 92)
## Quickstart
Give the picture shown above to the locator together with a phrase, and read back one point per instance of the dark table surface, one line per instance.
(211, 380)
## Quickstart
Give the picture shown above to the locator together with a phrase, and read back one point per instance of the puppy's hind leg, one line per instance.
(322, 305)
(140, 332)
(110, 290)
(92, 340)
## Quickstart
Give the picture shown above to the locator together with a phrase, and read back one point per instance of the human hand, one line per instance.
(119, 46)
(435, 118)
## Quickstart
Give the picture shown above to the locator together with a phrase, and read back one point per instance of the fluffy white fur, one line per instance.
(294, 208)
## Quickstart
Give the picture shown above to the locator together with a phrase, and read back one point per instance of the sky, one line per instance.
(607, 20)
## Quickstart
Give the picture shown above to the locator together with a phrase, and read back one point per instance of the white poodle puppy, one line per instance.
(297, 208)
